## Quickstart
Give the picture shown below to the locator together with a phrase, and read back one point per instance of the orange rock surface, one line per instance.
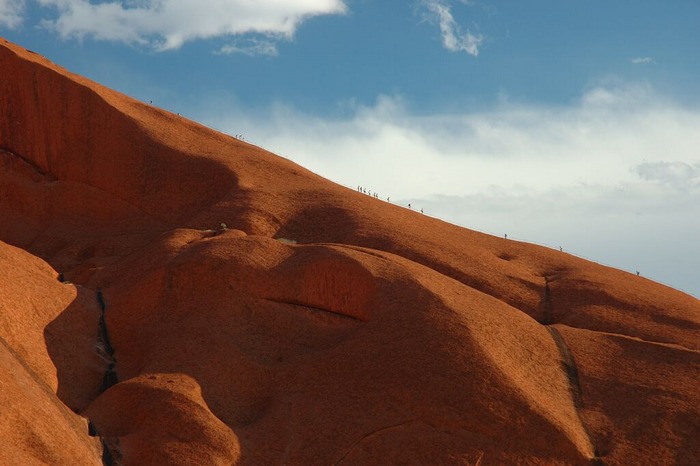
(318, 326)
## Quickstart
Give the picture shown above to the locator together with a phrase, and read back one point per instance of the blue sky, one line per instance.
(567, 123)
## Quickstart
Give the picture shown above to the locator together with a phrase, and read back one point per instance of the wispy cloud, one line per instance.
(168, 24)
(11, 13)
(453, 39)
(251, 47)
(641, 60)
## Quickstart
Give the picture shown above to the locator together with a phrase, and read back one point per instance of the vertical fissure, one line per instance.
(105, 347)
(571, 371)
(110, 450)
(568, 364)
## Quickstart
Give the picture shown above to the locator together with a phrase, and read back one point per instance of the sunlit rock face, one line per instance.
(171, 295)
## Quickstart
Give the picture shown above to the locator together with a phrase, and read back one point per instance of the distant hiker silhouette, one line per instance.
(409, 206)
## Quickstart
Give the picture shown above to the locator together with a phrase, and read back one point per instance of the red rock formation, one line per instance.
(48, 364)
(321, 326)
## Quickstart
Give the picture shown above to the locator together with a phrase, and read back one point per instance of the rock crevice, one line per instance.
(104, 347)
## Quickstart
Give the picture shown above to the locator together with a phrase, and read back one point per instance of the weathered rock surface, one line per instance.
(321, 326)
(48, 364)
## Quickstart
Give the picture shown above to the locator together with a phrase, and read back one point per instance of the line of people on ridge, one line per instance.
(375, 195)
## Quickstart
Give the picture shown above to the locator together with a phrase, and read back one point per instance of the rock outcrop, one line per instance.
(318, 326)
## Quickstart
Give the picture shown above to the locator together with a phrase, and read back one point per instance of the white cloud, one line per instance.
(453, 39)
(641, 60)
(600, 140)
(614, 177)
(251, 47)
(167, 24)
(677, 175)
(11, 13)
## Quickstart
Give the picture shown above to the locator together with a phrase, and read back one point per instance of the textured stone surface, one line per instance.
(47, 364)
(320, 326)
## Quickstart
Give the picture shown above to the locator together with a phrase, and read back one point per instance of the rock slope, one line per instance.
(318, 326)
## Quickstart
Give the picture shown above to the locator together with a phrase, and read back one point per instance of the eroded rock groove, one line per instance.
(546, 304)
(569, 366)
(365, 437)
(105, 347)
(108, 451)
(28, 162)
(567, 361)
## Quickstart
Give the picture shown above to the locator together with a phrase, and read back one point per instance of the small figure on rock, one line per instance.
(220, 231)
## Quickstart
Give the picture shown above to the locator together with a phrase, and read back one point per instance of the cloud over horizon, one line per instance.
(600, 140)
(594, 176)
(168, 24)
